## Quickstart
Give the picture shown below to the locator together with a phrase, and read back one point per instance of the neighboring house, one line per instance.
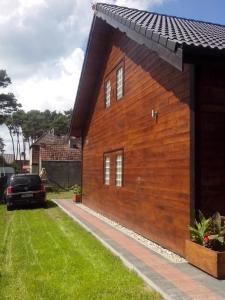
(61, 159)
(150, 109)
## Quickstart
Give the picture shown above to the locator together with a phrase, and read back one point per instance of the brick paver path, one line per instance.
(172, 280)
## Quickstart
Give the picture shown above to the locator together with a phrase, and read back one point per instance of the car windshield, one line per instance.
(25, 180)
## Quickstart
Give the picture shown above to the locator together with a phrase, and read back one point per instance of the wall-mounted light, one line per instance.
(154, 114)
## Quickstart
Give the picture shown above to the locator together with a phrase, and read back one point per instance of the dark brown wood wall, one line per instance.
(210, 139)
(155, 198)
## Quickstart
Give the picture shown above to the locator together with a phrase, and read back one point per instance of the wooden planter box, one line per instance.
(76, 198)
(210, 261)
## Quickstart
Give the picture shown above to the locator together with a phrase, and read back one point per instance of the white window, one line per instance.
(106, 170)
(107, 93)
(119, 83)
(119, 169)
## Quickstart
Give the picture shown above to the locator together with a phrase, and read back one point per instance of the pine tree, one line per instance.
(8, 102)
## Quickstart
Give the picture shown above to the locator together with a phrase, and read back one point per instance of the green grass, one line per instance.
(46, 255)
(60, 195)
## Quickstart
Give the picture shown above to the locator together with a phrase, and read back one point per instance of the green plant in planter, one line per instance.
(201, 229)
(76, 189)
(209, 232)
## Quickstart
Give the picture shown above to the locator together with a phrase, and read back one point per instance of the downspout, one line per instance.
(192, 143)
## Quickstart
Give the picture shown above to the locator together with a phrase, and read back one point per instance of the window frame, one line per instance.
(112, 77)
(112, 155)
(119, 153)
(105, 157)
(105, 93)
(118, 68)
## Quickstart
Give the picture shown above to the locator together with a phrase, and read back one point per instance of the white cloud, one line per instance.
(31, 3)
(139, 4)
(40, 34)
(52, 92)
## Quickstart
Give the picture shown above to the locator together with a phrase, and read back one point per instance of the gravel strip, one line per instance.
(147, 243)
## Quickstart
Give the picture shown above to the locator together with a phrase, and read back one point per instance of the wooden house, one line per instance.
(150, 108)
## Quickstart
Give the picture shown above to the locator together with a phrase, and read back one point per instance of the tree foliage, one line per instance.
(4, 79)
(8, 102)
(37, 123)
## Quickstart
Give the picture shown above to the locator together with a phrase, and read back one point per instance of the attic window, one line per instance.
(107, 93)
(119, 83)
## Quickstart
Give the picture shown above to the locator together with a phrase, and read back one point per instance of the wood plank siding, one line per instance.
(155, 197)
(211, 139)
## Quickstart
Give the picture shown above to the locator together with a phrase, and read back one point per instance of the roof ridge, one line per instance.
(163, 15)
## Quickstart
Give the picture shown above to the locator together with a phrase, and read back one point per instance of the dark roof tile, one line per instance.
(178, 30)
(163, 40)
(143, 30)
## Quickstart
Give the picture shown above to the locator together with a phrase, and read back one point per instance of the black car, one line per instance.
(24, 189)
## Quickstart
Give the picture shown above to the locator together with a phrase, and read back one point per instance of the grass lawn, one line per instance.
(60, 195)
(46, 255)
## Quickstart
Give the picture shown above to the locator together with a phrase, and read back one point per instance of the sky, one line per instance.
(43, 42)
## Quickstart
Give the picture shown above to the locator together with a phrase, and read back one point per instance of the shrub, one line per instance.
(76, 189)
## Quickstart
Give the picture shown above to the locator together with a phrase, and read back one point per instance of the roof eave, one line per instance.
(73, 132)
(168, 50)
(92, 71)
